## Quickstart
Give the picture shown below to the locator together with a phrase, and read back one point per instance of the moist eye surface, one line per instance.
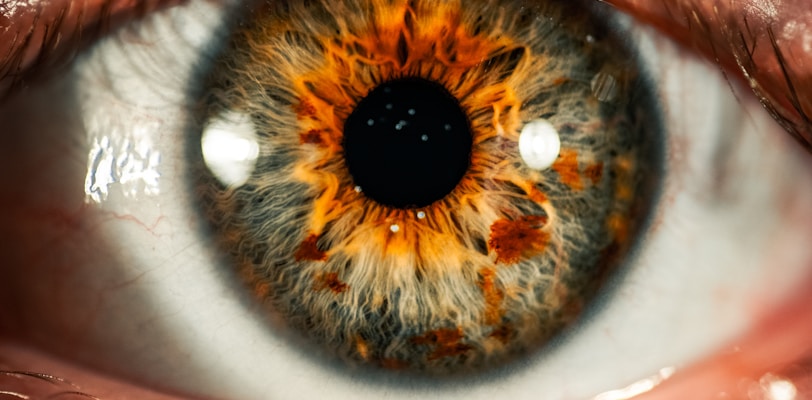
(389, 215)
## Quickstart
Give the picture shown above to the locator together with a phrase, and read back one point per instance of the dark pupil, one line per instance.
(407, 143)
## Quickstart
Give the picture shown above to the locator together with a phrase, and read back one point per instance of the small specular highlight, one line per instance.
(230, 148)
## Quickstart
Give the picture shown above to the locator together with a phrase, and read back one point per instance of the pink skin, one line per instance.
(780, 344)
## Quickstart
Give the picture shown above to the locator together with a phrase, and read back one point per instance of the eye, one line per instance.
(160, 295)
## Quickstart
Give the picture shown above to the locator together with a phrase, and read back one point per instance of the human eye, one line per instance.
(125, 286)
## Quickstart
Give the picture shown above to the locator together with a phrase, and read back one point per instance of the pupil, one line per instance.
(407, 143)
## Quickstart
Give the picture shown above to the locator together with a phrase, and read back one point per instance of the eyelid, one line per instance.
(37, 35)
(777, 346)
(766, 44)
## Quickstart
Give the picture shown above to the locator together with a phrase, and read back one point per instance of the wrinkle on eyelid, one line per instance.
(767, 43)
(36, 35)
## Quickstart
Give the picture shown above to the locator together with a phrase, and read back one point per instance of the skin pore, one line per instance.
(776, 70)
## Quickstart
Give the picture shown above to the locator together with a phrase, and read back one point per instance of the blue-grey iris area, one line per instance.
(426, 290)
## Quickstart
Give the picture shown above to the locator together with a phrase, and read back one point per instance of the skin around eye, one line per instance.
(702, 390)
(348, 226)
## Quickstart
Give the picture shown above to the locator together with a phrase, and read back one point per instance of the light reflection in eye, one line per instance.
(539, 144)
(230, 148)
(127, 160)
(776, 388)
(637, 388)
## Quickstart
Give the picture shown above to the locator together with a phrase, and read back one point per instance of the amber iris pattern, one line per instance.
(489, 270)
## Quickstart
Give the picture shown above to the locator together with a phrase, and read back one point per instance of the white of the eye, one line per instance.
(230, 147)
(539, 144)
(687, 291)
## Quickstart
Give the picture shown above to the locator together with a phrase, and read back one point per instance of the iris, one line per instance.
(390, 216)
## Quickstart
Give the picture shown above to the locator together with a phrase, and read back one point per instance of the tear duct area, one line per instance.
(340, 229)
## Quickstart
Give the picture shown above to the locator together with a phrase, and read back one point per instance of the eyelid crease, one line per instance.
(38, 35)
(767, 44)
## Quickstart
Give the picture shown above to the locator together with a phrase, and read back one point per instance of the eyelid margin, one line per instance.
(778, 344)
(742, 37)
(36, 35)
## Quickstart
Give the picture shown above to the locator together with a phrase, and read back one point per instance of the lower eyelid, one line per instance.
(776, 350)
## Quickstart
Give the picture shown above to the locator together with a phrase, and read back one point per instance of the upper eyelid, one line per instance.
(749, 39)
(36, 37)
